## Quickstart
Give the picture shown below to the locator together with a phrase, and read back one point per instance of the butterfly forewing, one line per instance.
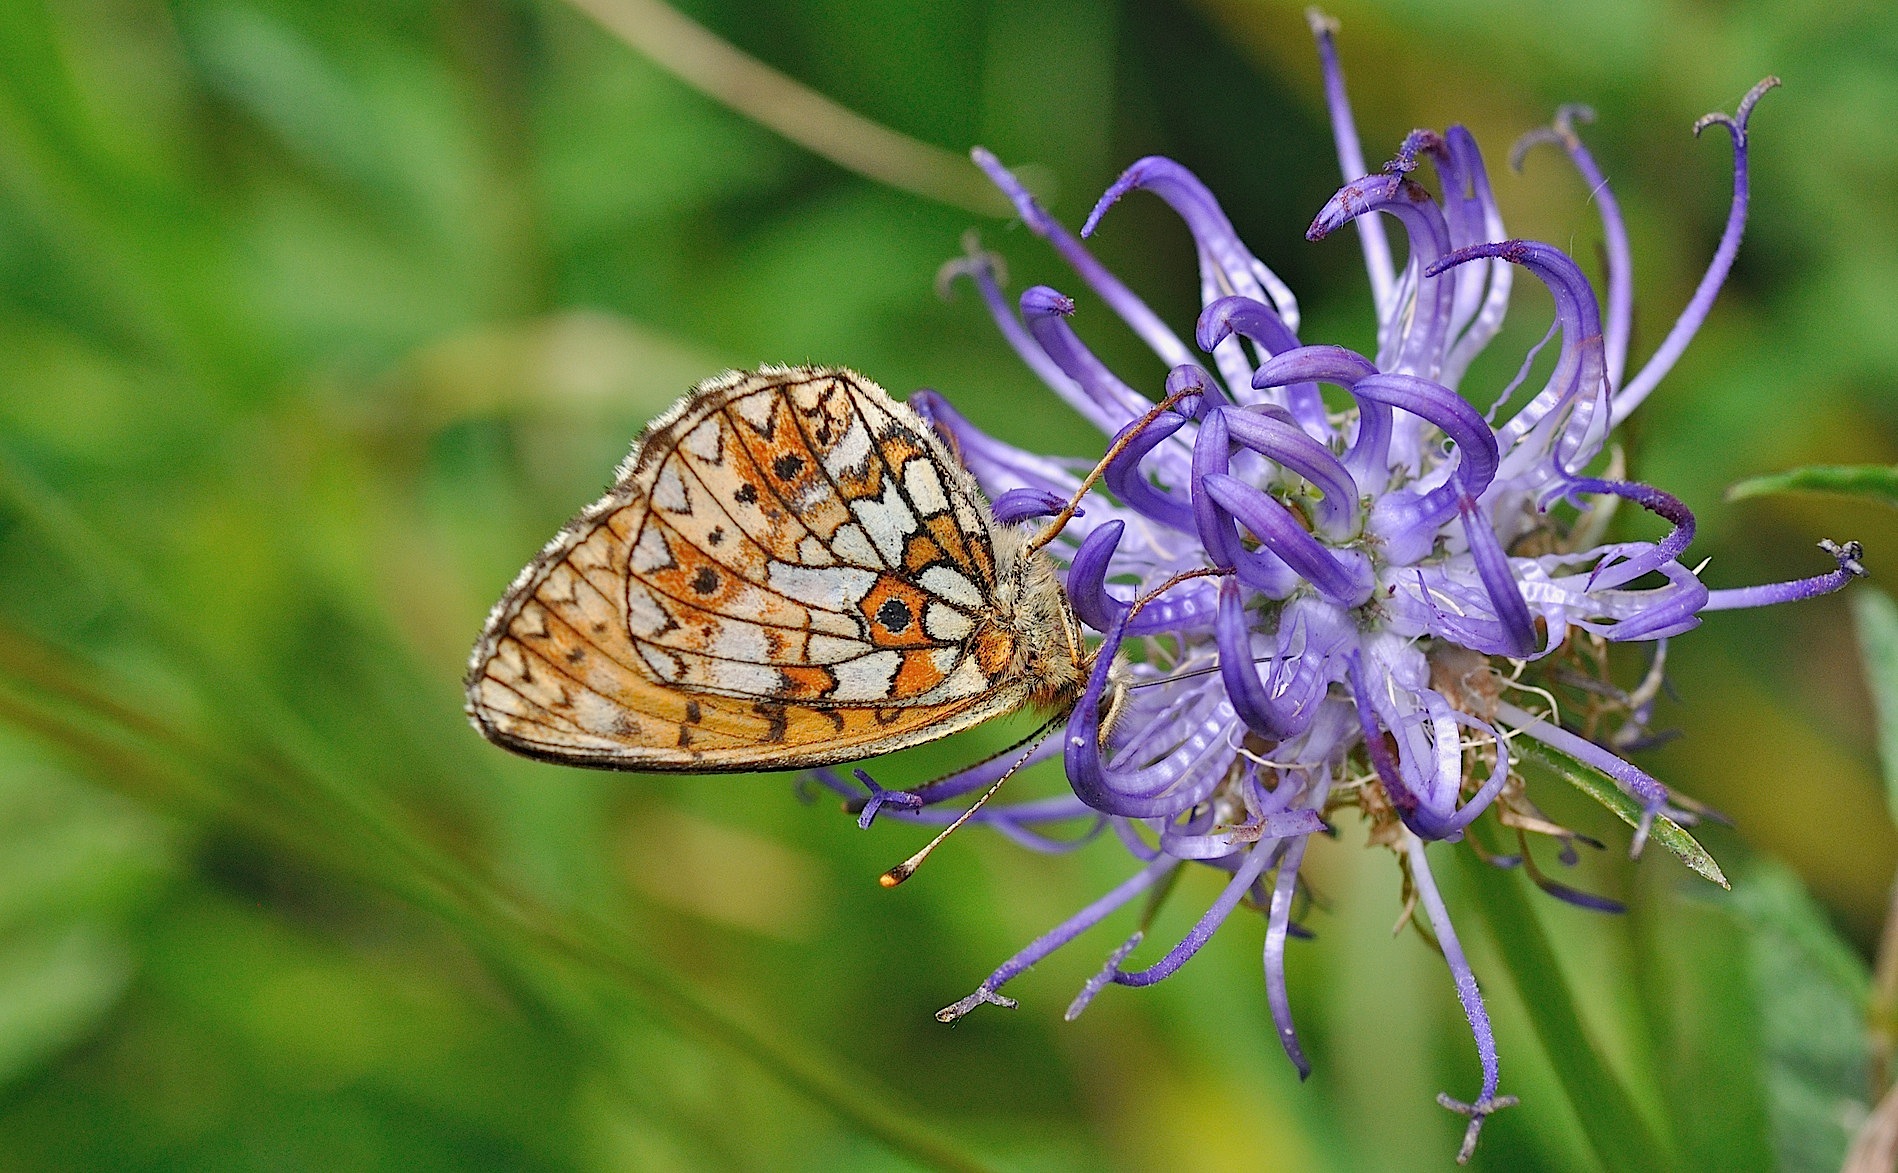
(791, 570)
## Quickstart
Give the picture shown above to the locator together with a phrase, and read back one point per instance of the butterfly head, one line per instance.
(1035, 636)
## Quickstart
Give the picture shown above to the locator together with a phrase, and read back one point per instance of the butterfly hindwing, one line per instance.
(791, 570)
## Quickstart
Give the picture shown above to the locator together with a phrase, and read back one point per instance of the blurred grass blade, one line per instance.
(1811, 990)
(1701, 1011)
(280, 782)
(54, 986)
(497, 922)
(1602, 789)
(715, 67)
(1872, 481)
(1877, 622)
(1621, 1138)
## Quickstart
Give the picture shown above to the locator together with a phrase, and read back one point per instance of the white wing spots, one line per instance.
(595, 713)
(847, 458)
(835, 588)
(580, 594)
(664, 664)
(866, 678)
(502, 699)
(669, 492)
(949, 584)
(888, 521)
(813, 551)
(853, 547)
(703, 673)
(945, 659)
(966, 519)
(650, 552)
(742, 678)
(737, 640)
(755, 409)
(924, 486)
(644, 616)
(824, 622)
(707, 441)
(945, 623)
(966, 680)
(808, 502)
(825, 649)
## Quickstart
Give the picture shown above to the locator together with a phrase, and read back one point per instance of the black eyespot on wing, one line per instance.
(705, 582)
(788, 466)
(894, 616)
(747, 494)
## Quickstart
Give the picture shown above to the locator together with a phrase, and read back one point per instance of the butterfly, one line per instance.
(791, 570)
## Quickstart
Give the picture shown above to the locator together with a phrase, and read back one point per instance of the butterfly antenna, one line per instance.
(1126, 437)
(907, 868)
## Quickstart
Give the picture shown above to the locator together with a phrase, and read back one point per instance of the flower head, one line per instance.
(1305, 607)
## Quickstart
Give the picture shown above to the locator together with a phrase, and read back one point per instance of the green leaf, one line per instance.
(1811, 990)
(1602, 789)
(1877, 618)
(1877, 482)
(1699, 1004)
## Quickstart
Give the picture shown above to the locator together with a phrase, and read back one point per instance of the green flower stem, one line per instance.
(1622, 1140)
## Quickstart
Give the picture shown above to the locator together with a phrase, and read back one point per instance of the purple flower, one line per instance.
(1304, 609)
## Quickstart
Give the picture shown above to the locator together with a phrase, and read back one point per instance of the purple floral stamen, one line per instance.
(1302, 609)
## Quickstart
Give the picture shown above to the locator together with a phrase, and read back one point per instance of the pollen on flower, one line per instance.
(1303, 612)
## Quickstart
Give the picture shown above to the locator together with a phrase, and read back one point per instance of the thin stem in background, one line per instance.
(721, 71)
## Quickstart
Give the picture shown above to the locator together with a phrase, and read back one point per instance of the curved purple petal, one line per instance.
(1256, 322)
(1283, 705)
(1608, 575)
(1217, 534)
(1492, 566)
(1281, 440)
(1421, 348)
(1614, 230)
(1344, 131)
(1226, 265)
(1018, 505)
(1850, 568)
(1118, 297)
(1701, 304)
(1579, 381)
(1344, 577)
(1107, 402)
(1127, 481)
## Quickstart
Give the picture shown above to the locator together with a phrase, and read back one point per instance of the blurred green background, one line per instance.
(317, 317)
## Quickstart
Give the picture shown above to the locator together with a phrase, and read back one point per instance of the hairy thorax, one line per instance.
(1033, 622)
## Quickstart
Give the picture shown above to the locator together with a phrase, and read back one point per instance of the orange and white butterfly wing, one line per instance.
(791, 571)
